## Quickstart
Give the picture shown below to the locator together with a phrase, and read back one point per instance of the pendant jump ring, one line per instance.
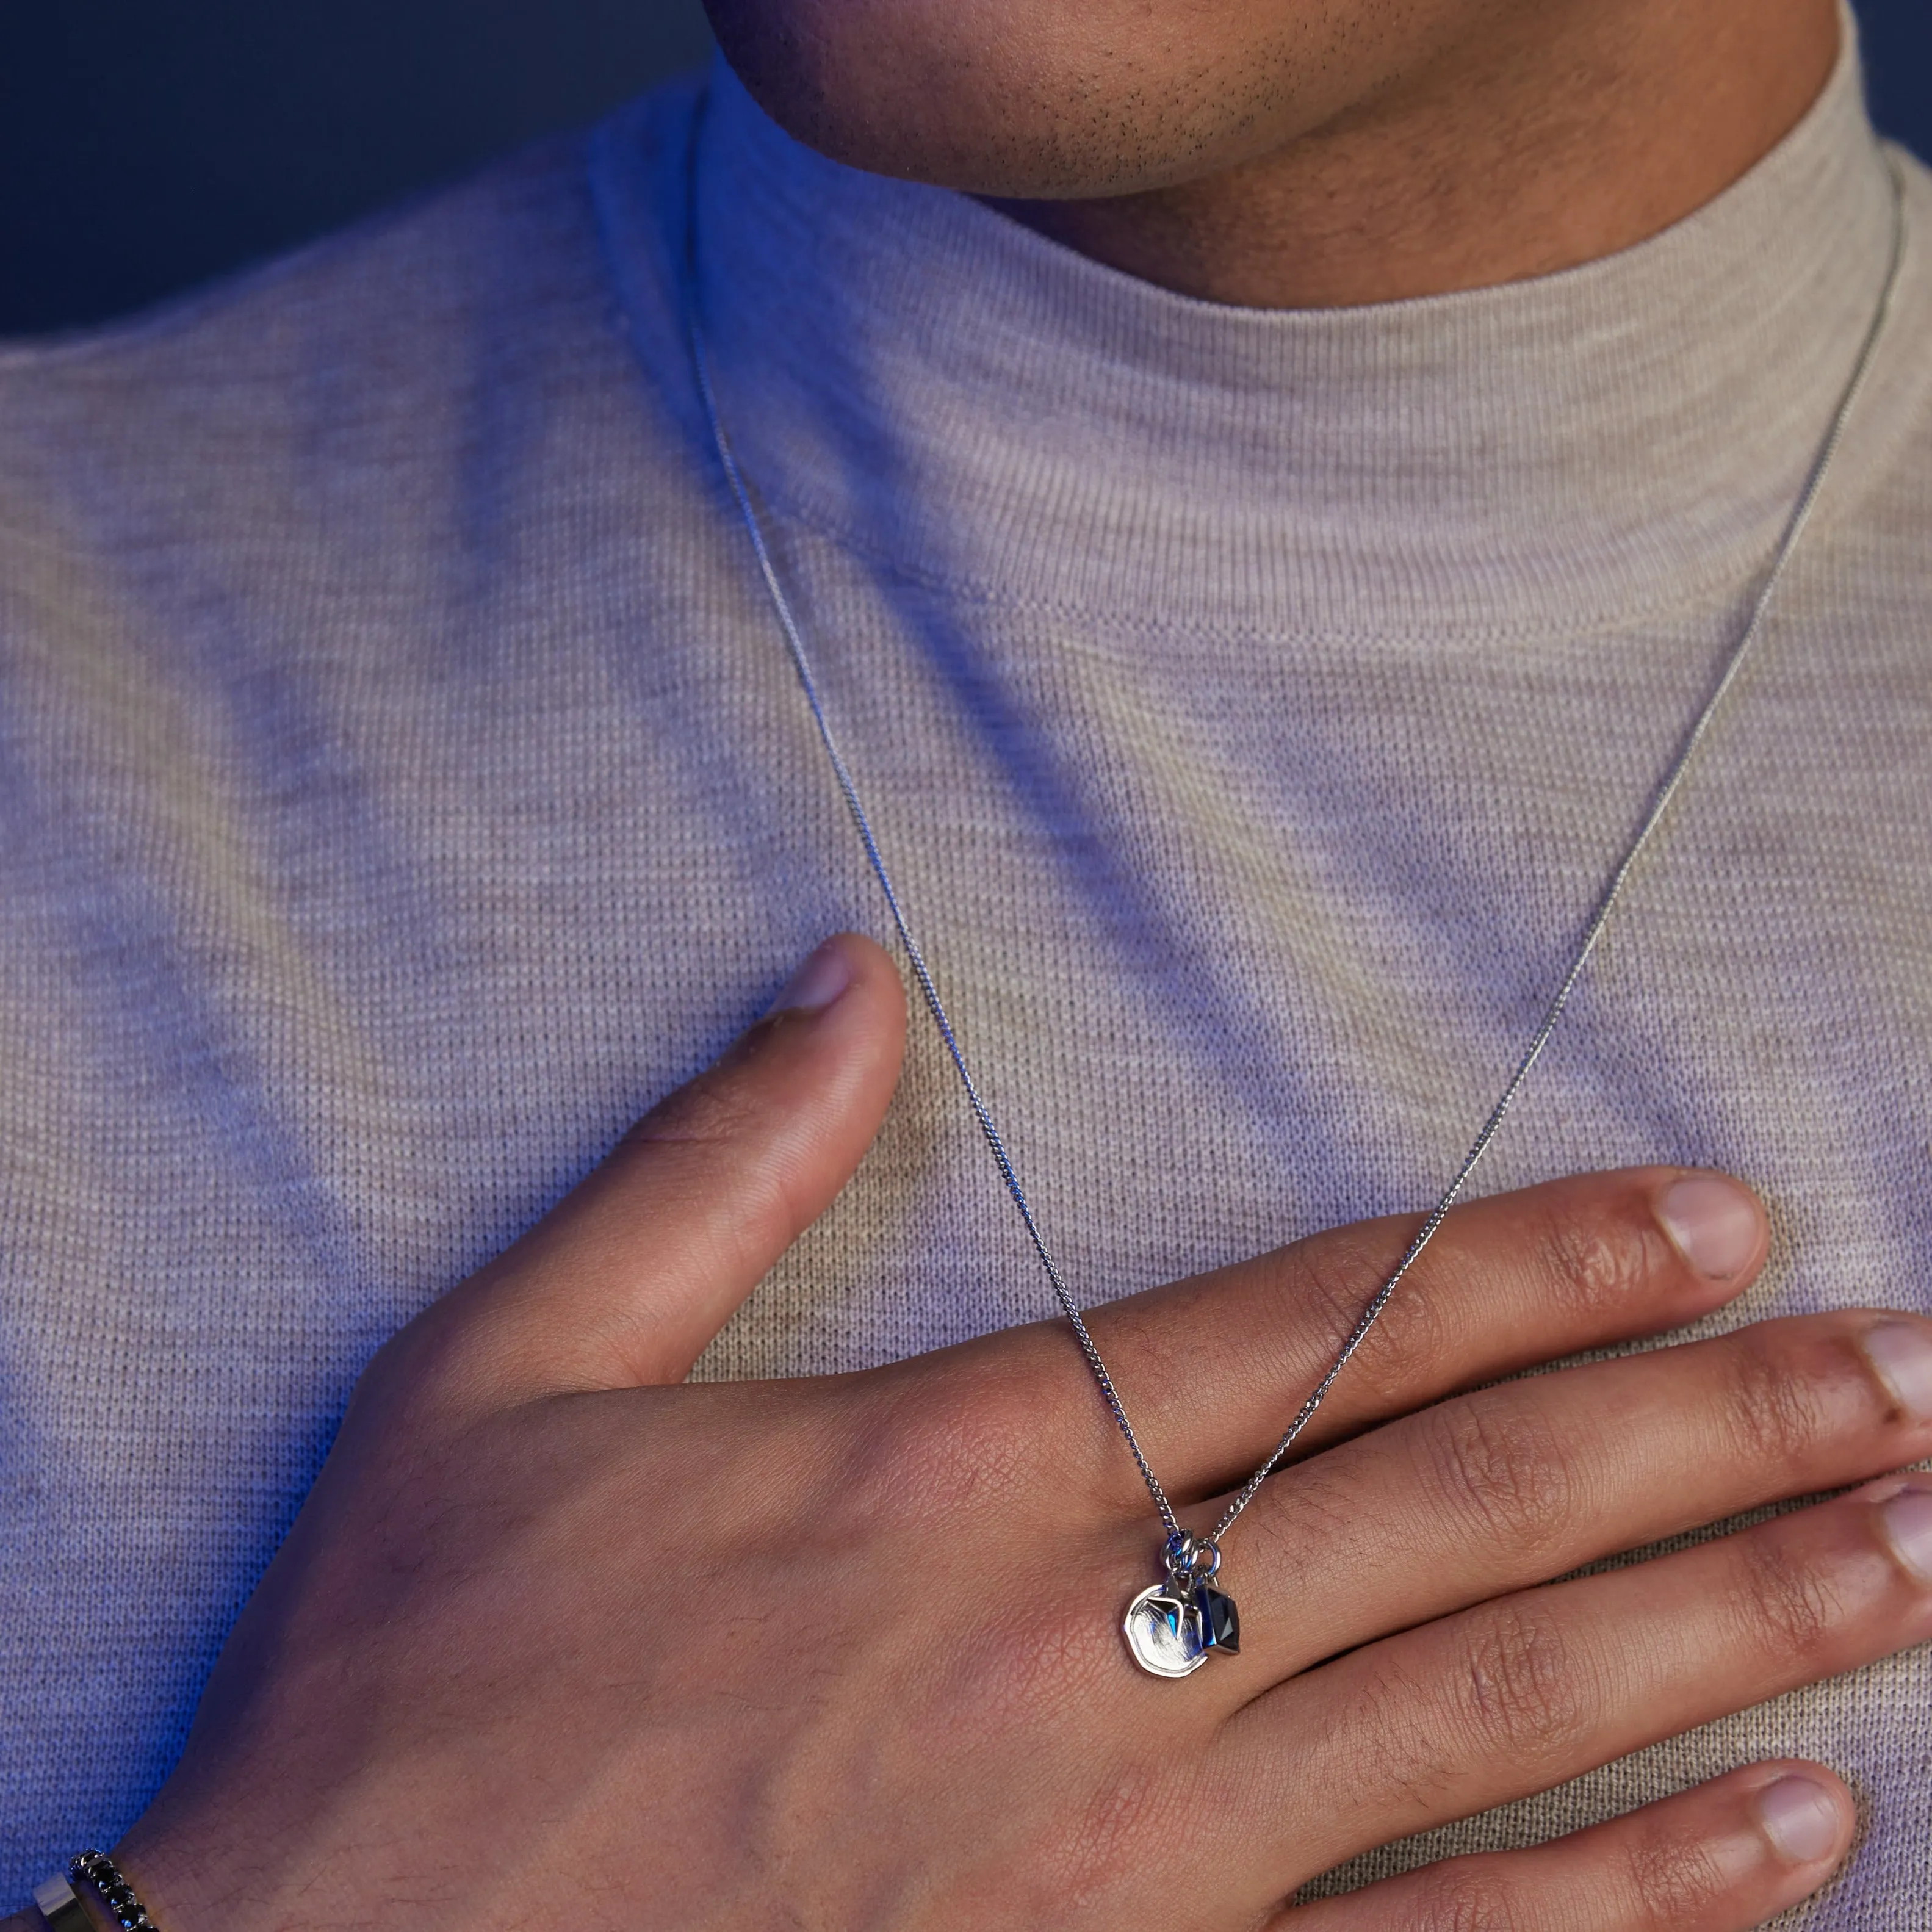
(1192, 1559)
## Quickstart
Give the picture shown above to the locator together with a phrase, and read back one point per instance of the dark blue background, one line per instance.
(145, 146)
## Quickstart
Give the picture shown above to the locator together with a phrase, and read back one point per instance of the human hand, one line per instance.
(558, 1638)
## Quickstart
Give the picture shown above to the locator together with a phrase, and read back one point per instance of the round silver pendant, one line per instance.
(1161, 1635)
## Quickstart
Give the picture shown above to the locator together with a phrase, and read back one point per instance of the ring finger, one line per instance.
(1531, 1689)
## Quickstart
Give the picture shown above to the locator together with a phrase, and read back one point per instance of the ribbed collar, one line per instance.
(965, 402)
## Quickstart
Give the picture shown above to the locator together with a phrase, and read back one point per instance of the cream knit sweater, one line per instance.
(401, 784)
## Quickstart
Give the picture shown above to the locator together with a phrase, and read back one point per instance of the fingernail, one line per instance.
(1801, 1818)
(1907, 1518)
(1901, 1352)
(816, 984)
(1713, 1222)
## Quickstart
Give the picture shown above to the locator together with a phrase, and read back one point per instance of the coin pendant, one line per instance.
(1163, 1633)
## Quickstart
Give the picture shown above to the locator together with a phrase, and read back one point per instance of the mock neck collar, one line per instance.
(961, 401)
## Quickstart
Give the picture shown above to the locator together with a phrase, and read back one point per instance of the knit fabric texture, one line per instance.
(403, 783)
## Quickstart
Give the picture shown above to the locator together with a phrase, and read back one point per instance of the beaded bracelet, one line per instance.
(64, 1912)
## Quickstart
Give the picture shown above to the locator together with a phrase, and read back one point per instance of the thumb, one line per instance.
(629, 1277)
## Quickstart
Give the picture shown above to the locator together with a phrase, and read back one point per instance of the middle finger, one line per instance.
(1515, 1484)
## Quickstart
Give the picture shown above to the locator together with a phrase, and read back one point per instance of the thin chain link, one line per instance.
(1666, 791)
(801, 664)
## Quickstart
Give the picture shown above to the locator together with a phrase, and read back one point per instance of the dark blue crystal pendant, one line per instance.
(1173, 1628)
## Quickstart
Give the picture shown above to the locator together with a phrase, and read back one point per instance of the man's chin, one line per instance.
(1009, 102)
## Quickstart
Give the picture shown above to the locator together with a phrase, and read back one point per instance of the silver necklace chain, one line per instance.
(1193, 1556)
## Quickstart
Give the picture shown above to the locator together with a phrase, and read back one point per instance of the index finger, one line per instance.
(1212, 1369)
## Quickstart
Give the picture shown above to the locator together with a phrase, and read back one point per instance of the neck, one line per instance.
(1561, 135)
